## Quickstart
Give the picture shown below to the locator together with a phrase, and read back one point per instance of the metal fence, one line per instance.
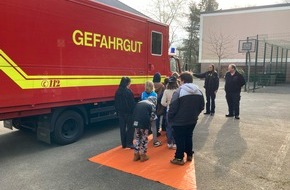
(267, 65)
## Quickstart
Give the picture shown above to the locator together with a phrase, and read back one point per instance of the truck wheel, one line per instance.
(69, 127)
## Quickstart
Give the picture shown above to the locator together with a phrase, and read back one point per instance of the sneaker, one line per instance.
(229, 115)
(174, 146)
(157, 143)
(169, 146)
(206, 113)
(177, 161)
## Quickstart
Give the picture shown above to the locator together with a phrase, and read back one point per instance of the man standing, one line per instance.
(124, 104)
(233, 84)
(211, 85)
(186, 104)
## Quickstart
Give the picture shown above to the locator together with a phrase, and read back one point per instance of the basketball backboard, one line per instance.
(247, 45)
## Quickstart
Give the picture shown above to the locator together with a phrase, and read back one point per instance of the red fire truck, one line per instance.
(61, 62)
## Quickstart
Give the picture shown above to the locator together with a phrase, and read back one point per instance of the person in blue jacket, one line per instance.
(149, 91)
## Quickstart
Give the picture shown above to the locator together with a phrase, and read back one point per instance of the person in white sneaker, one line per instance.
(165, 101)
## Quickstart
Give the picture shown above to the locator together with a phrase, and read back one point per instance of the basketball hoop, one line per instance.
(247, 46)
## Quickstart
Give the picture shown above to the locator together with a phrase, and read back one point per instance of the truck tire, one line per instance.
(69, 127)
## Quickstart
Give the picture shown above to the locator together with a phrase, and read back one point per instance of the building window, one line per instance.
(156, 43)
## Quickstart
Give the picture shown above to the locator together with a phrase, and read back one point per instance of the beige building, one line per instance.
(221, 32)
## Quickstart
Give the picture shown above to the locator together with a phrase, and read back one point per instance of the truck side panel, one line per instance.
(60, 52)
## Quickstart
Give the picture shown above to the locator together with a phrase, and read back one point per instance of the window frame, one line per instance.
(156, 32)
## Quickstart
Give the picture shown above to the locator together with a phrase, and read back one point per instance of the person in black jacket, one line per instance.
(233, 84)
(124, 104)
(144, 114)
(186, 105)
(211, 85)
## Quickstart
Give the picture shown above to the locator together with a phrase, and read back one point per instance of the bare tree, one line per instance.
(169, 12)
(285, 1)
(220, 45)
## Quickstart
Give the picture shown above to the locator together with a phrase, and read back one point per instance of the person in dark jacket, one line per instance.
(124, 104)
(143, 115)
(160, 110)
(211, 85)
(186, 105)
(233, 84)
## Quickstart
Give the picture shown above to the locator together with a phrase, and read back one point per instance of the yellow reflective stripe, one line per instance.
(24, 81)
(96, 82)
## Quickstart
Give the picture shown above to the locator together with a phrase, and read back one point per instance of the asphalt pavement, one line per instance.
(250, 153)
(28, 164)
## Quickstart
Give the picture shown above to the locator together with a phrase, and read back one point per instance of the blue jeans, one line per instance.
(154, 131)
(210, 101)
(169, 132)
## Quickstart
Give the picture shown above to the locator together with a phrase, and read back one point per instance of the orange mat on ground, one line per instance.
(157, 168)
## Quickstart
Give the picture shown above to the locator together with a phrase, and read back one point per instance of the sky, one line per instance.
(141, 5)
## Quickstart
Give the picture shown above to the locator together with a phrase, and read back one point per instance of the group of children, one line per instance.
(176, 103)
(151, 113)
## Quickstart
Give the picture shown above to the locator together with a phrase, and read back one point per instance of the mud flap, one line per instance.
(43, 129)
(8, 124)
